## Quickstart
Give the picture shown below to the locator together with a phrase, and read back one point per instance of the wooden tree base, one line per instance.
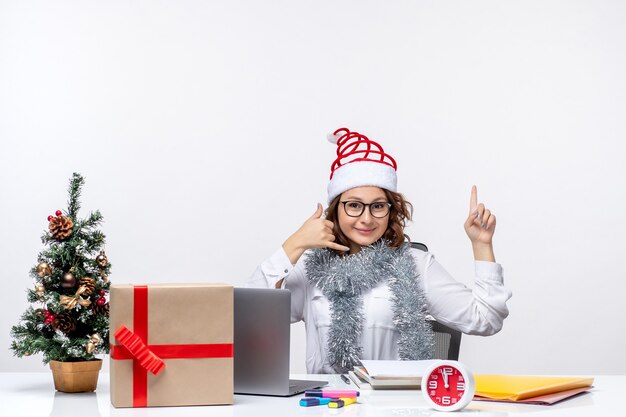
(75, 376)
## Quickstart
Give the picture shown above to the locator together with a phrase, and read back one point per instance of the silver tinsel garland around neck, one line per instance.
(344, 280)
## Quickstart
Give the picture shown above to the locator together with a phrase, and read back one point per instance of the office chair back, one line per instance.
(447, 340)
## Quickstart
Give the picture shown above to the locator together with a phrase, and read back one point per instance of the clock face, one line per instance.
(448, 386)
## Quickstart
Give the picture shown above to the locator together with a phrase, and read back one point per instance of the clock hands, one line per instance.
(444, 373)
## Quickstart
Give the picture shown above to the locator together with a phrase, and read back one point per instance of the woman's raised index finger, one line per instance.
(473, 199)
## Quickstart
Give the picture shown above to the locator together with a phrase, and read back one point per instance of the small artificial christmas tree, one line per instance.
(71, 321)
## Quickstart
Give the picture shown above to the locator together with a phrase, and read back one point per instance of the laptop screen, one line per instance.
(261, 339)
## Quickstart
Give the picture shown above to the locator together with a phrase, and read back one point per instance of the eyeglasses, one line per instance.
(378, 209)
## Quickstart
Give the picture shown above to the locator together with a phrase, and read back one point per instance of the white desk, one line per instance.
(33, 394)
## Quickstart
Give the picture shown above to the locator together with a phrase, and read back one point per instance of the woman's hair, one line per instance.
(400, 211)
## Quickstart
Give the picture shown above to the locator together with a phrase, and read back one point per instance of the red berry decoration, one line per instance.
(49, 218)
(102, 293)
(58, 212)
(101, 301)
(48, 317)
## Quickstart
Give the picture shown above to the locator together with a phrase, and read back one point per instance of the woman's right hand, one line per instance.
(314, 233)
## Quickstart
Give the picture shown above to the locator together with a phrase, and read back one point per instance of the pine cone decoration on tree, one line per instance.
(89, 283)
(65, 323)
(100, 309)
(60, 227)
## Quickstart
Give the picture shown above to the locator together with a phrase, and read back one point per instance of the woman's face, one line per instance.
(364, 229)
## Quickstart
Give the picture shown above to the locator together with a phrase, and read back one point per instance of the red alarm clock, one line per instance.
(448, 386)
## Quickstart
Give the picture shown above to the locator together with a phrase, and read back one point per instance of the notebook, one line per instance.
(547, 399)
(392, 374)
(518, 387)
(262, 337)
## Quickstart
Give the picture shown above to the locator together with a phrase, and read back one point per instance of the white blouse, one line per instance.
(480, 311)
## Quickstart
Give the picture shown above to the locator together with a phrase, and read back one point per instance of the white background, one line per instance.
(200, 129)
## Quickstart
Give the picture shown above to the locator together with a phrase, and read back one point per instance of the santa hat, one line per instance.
(360, 162)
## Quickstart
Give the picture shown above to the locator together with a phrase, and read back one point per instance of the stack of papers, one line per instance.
(543, 390)
(389, 374)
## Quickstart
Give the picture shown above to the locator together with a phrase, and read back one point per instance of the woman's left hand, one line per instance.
(481, 222)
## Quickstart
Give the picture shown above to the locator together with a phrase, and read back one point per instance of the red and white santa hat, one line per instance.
(360, 162)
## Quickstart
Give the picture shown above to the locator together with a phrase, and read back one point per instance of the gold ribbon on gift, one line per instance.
(70, 302)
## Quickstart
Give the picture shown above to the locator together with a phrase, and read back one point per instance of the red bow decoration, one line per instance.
(147, 359)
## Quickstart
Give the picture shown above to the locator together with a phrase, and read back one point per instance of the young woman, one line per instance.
(360, 288)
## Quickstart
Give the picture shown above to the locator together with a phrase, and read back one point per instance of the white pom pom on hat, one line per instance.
(360, 162)
(333, 138)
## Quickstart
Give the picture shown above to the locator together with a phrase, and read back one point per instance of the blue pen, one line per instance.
(312, 401)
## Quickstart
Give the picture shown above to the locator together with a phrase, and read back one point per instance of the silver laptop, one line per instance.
(262, 324)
